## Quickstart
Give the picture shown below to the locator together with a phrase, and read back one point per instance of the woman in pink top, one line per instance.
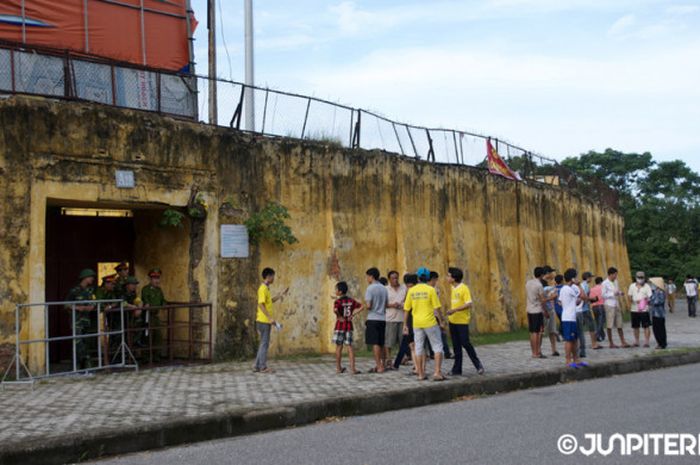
(598, 308)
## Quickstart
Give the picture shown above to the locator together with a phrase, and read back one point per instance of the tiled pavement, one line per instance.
(70, 405)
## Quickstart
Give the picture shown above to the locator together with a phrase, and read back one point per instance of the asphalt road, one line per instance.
(516, 428)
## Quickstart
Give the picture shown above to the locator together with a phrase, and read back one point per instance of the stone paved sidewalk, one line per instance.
(121, 401)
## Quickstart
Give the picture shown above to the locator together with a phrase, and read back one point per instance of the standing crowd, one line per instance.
(409, 317)
(566, 307)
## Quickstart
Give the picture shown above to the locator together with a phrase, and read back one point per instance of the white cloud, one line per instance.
(682, 10)
(622, 25)
(550, 104)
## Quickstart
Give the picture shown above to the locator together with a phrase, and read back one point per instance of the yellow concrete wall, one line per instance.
(350, 210)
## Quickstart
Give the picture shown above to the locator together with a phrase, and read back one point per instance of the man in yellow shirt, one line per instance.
(265, 319)
(459, 316)
(422, 302)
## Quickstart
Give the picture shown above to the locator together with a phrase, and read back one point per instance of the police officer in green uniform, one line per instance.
(85, 316)
(112, 318)
(152, 296)
(122, 275)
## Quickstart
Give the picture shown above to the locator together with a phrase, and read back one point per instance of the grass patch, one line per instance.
(520, 334)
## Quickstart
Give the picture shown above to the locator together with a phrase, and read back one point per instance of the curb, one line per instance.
(76, 448)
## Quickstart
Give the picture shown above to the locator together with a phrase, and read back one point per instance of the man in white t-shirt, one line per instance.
(394, 315)
(691, 293)
(570, 298)
(640, 293)
(613, 313)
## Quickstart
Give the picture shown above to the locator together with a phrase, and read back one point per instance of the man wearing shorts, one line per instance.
(422, 302)
(534, 292)
(613, 313)
(640, 293)
(376, 298)
(570, 298)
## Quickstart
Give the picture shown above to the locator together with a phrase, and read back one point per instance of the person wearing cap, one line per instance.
(152, 296)
(658, 311)
(133, 302)
(122, 270)
(112, 319)
(613, 313)
(640, 293)
(85, 317)
(423, 304)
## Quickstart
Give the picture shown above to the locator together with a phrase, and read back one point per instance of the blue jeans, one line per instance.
(261, 360)
(460, 339)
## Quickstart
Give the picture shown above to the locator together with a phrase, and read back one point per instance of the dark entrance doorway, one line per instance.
(78, 238)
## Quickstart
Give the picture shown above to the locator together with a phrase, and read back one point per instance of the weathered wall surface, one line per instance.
(350, 210)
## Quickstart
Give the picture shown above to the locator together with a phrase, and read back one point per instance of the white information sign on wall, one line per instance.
(234, 241)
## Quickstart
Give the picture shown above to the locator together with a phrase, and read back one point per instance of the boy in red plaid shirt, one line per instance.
(344, 308)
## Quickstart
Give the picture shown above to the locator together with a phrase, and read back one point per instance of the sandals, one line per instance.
(439, 378)
(342, 370)
(374, 370)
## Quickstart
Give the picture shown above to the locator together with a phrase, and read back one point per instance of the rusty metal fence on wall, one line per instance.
(61, 74)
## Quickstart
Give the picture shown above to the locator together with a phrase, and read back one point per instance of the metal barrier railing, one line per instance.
(186, 339)
(122, 337)
(76, 339)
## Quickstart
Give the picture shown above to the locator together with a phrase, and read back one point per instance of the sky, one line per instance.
(558, 77)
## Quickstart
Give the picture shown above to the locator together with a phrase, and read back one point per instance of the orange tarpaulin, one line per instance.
(146, 32)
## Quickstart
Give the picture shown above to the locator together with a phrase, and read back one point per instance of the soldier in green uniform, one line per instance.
(135, 319)
(122, 275)
(112, 320)
(85, 316)
(152, 296)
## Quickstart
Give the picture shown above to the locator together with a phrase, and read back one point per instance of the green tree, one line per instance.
(661, 206)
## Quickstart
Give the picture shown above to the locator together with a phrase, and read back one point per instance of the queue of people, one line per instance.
(566, 307)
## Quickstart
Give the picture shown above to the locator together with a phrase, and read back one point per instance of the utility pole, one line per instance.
(211, 25)
(190, 51)
(249, 97)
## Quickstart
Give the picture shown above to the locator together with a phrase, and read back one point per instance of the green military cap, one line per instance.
(122, 266)
(132, 280)
(154, 273)
(86, 273)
